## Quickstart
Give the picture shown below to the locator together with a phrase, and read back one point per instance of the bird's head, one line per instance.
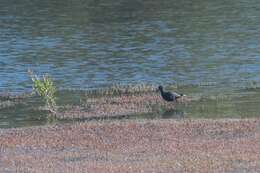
(160, 88)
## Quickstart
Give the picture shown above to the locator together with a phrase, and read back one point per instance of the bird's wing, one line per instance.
(170, 95)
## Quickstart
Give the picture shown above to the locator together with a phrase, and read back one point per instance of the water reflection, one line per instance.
(173, 113)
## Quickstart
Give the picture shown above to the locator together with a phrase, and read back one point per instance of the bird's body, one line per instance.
(169, 96)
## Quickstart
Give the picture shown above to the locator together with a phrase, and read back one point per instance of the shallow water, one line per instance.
(209, 48)
(201, 104)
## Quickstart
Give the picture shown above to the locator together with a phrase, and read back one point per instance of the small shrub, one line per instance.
(45, 88)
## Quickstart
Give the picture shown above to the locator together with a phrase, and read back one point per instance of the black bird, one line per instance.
(169, 96)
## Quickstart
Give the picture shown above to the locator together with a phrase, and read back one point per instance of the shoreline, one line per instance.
(187, 145)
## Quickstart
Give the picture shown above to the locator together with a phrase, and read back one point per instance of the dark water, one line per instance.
(210, 46)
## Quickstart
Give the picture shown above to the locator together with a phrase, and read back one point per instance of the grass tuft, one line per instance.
(45, 88)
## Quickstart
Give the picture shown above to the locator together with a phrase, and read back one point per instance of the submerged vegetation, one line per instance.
(116, 101)
(118, 89)
(45, 88)
(120, 101)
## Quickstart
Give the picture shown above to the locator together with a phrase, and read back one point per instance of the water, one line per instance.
(85, 44)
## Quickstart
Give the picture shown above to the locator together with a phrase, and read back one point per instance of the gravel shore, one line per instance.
(225, 145)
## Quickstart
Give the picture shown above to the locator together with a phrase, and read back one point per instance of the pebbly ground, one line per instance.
(225, 145)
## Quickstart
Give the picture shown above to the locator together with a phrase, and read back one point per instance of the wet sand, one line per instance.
(225, 145)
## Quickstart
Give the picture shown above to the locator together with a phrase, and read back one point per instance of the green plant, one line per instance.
(45, 88)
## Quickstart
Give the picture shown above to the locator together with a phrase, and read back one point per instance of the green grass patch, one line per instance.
(45, 88)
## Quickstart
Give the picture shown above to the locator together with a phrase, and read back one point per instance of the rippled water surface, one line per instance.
(211, 45)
